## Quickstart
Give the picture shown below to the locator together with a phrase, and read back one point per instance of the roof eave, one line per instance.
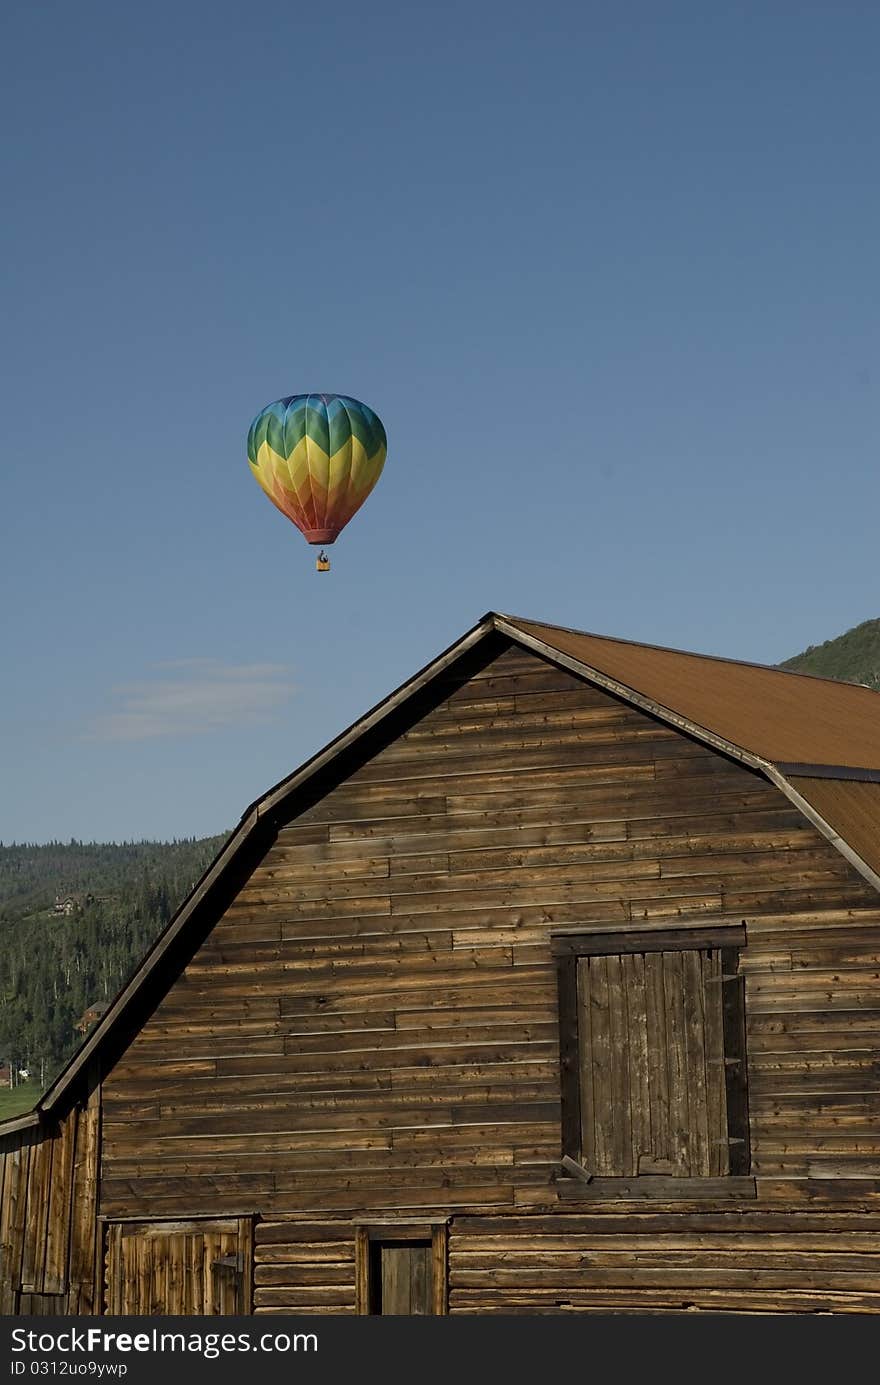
(28, 1120)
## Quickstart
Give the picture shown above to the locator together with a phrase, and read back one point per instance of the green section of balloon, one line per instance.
(317, 457)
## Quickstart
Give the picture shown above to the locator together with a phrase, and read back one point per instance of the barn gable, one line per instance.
(846, 810)
(356, 1017)
(387, 966)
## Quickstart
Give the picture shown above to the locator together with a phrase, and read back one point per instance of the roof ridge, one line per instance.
(688, 653)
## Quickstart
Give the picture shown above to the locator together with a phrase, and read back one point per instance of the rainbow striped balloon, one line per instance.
(317, 457)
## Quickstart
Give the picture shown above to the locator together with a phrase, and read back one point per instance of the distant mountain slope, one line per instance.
(75, 919)
(853, 657)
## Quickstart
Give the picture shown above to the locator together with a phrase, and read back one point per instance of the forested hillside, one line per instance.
(75, 919)
(854, 657)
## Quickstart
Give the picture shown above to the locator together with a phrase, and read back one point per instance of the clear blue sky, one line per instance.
(607, 272)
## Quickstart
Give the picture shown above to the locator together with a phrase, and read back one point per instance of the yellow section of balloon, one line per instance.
(309, 478)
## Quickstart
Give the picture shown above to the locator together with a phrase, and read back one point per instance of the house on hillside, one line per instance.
(68, 905)
(90, 1016)
(550, 986)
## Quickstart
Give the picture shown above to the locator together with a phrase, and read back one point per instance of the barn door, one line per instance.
(182, 1267)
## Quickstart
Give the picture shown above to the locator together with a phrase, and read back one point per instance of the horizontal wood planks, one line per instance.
(372, 1025)
(755, 1261)
(304, 1267)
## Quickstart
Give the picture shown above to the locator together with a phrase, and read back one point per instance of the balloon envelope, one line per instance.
(317, 457)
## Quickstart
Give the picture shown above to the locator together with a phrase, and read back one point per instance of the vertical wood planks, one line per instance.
(716, 1090)
(699, 1162)
(34, 1256)
(115, 1270)
(620, 1069)
(394, 1270)
(658, 1067)
(736, 1073)
(571, 1066)
(674, 1041)
(362, 1271)
(246, 1250)
(404, 1278)
(602, 1066)
(439, 1272)
(60, 1209)
(85, 1255)
(582, 1021)
(12, 1216)
(199, 1268)
(653, 1075)
(420, 1296)
(633, 971)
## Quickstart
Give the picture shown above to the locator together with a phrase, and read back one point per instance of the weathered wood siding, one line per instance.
(651, 1012)
(650, 1261)
(304, 1267)
(49, 1243)
(372, 1025)
(193, 1268)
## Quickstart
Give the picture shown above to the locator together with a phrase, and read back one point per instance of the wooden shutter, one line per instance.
(652, 1042)
(652, 1071)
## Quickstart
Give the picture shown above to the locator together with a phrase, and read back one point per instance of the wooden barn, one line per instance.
(551, 986)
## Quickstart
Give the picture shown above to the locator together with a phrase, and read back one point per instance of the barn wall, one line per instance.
(49, 1243)
(371, 1027)
(648, 1261)
(610, 1259)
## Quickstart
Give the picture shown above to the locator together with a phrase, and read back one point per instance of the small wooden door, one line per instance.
(183, 1268)
(400, 1269)
(400, 1279)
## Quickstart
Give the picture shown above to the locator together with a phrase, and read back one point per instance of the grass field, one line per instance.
(17, 1099)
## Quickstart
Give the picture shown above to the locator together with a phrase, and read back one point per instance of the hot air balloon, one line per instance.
(317, 457)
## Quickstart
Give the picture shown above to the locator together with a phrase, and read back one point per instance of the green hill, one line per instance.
(75, 919)
(853, 657)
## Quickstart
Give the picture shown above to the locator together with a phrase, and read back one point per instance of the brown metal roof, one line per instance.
(778, 715)
(851, 808)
